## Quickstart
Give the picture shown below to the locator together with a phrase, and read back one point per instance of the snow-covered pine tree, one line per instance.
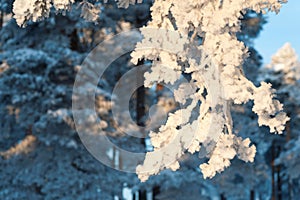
(283, 72)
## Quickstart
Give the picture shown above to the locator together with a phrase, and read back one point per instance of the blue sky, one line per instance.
(281, 28)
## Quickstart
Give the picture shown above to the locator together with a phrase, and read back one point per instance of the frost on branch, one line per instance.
(198, 39)
(30, 10)
(62, 4)
(90, 12)
(267, 109)
(226, 149)
(126, 3)
(36, 9)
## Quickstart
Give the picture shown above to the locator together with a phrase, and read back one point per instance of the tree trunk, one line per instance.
(142, 195)
(223, 197)
(252, 195)
(140, 100)
(273, 173)
(276, 177)
(74, 41)
(1, 19)
(279, 182)
(288, 131)
(156, 191)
